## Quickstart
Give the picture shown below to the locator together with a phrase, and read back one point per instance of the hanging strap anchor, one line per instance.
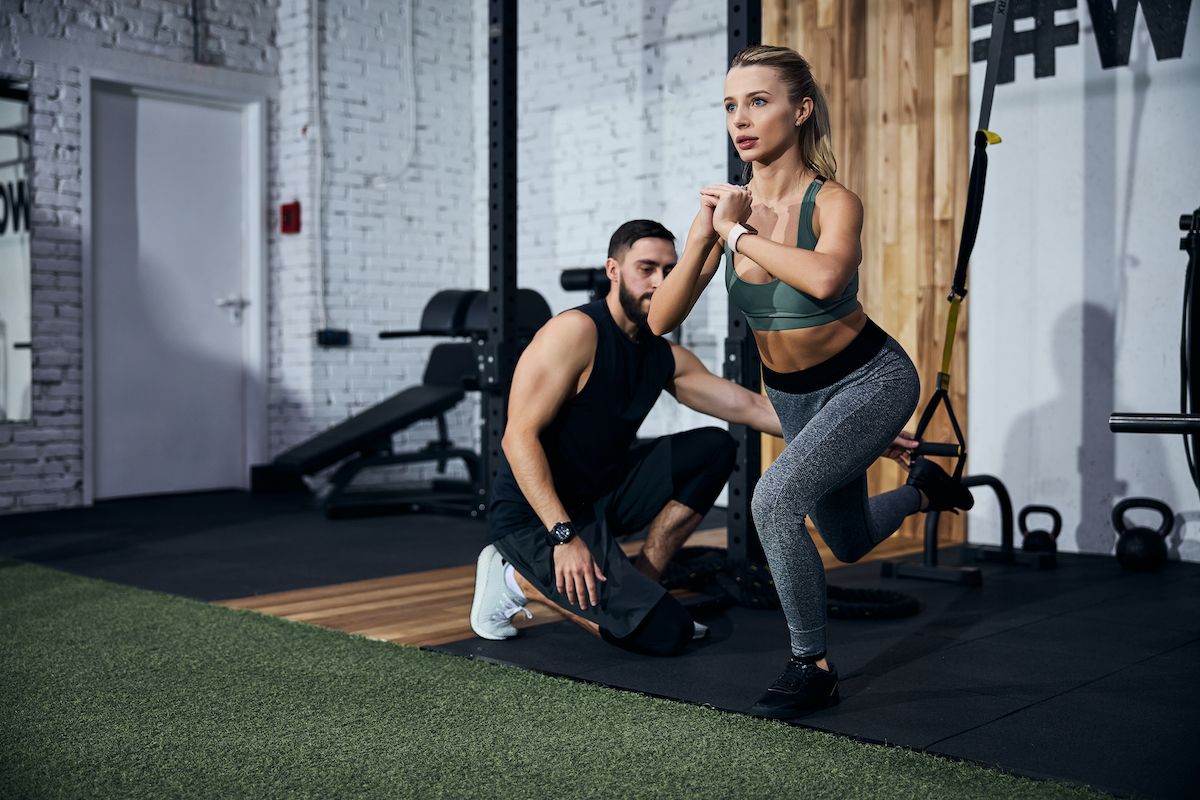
(958, 290)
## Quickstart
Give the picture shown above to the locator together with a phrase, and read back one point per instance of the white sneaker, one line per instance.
(494, 604)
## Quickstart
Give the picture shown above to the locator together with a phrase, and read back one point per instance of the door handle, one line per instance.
(235, 306)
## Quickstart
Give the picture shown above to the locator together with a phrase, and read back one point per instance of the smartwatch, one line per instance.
(738, 231)
(561, 533)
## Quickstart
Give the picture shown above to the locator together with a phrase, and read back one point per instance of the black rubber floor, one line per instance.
(222, 545)
(1085, 674)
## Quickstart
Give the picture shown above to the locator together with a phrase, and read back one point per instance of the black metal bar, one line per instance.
(742, 365)
(929, 569)
(1006, 553)
(498, 348)
(744, 30)
(961, 576)
(932, 518)
(1190, 346)
(407, 334)
(1006, 509)
(1154, 423)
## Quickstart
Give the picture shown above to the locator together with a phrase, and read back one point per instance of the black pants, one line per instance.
(634, 612)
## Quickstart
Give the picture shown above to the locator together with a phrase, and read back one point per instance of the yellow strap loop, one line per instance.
(951, 326)
(992, 138)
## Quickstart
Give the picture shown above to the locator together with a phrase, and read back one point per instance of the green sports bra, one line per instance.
(775, 306)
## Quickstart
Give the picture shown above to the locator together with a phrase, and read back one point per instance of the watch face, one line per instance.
(561, 533)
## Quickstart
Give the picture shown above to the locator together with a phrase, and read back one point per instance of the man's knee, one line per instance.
(701, 462)
(720, 446)
(665, 631)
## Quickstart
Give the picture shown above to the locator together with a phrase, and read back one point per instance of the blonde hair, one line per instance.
(816, 144)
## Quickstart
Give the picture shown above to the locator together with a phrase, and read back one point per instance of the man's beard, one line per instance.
(632, 306)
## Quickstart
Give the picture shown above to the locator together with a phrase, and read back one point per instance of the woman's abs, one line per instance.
(803, 348)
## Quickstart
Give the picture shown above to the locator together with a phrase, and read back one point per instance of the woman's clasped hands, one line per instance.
(728, 203)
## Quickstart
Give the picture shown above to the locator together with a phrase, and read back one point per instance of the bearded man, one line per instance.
(574, 477)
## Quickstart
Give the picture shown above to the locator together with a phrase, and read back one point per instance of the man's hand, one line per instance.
(901, 449)
(576, 573)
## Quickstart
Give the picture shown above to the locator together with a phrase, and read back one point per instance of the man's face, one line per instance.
(638, 272)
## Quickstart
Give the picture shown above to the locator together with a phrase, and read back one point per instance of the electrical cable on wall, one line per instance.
(409, 40)
(317, 128)
(196, 31)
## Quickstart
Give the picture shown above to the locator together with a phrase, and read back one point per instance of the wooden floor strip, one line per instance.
(433, 607)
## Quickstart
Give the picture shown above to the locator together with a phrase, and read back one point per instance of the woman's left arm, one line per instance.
(824, 272)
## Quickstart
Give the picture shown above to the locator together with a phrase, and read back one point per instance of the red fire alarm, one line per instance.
(289, 217)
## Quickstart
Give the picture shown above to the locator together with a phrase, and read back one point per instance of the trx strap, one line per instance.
(958, 291)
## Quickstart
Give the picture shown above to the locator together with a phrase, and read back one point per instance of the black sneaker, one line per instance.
(943, 492)
(801, 689)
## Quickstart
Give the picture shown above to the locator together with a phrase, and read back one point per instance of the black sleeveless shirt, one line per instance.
(589, 437)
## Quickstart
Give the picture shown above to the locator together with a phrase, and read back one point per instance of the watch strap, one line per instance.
(737, 232)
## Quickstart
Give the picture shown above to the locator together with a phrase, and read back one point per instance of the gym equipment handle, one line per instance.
(1118, 514)
(938, 449)
(1154, 423)
(582, 280)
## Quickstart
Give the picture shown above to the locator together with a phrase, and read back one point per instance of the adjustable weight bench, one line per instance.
(369, 434)
(365, 440)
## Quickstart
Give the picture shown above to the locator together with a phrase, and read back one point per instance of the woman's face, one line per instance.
(761, 120)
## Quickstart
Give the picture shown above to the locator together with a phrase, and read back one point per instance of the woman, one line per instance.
(842, 387)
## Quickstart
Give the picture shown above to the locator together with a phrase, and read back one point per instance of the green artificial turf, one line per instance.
(113, 692)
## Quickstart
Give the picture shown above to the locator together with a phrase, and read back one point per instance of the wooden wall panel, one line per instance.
(895, 74)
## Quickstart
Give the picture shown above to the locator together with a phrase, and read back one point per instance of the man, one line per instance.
(569, 482)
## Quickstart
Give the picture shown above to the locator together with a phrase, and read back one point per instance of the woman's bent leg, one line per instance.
(833, 436)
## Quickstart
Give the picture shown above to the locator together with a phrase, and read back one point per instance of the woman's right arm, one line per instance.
(677, 294)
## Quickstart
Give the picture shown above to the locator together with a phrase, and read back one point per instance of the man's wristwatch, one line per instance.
(738, 231)
(561, 533)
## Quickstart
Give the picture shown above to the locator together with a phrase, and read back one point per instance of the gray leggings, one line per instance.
(833, 435)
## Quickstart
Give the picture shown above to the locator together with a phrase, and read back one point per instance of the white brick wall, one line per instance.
(237, 34)
(41, 461)
(394, 235)
(619, 118)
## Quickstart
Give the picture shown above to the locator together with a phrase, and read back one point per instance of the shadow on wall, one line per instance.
(1034, 446)
(1177, 546)
(170, 417)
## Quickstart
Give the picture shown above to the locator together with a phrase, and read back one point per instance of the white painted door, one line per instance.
(169, 405)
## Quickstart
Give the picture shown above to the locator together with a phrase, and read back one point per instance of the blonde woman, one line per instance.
(843, 388)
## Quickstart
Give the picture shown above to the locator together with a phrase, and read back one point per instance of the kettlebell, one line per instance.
(1040, 541)
(1142, 549)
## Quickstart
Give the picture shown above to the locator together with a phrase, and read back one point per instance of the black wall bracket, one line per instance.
(499, 348)
(742, 365)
